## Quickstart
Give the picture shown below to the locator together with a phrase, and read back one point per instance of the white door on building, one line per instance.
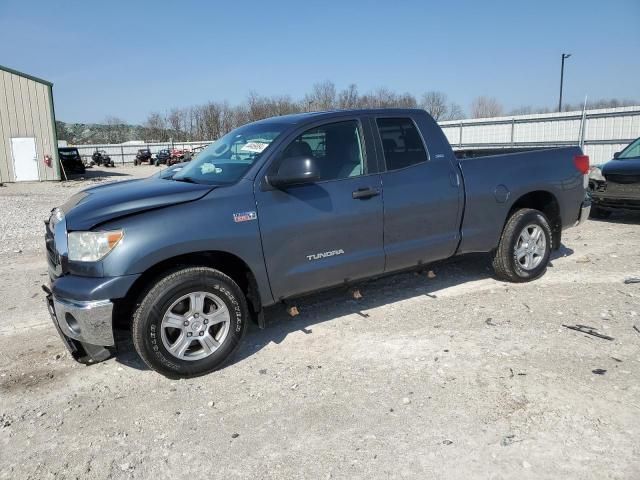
(25, 162)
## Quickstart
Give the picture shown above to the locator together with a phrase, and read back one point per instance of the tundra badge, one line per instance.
(318, 256)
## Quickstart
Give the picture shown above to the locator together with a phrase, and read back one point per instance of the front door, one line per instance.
(323, 234)
(25, 162)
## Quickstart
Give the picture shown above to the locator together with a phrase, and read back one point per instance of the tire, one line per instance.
(531, 258)
(600, 213)
(153, 335)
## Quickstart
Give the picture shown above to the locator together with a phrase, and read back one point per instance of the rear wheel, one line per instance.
(190, 322)
(525, 247)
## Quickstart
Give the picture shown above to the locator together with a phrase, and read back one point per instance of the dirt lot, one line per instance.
(457, 376)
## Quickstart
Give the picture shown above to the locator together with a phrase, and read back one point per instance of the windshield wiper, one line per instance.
(185, 179)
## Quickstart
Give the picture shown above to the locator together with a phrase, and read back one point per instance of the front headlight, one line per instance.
(92, 246)
(595, 173)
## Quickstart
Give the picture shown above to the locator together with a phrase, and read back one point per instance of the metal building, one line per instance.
(28, 141)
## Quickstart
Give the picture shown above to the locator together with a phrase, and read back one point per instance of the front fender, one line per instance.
(205, 225)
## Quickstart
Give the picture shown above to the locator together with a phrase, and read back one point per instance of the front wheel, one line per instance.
(190, 322)
(525, 247)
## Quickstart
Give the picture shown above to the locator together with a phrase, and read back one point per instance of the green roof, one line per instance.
(25, 75)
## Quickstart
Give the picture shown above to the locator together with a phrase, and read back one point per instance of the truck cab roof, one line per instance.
(297, 118)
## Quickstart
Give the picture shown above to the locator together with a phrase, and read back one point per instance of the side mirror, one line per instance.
(297, 170)
(616, 155)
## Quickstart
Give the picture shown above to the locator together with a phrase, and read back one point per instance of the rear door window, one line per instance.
(401, 143)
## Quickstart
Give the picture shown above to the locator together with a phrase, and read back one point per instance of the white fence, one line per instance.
(602, 132)
(126, 152)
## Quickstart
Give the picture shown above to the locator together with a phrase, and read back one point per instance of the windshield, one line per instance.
(632, 151)
(227, 159)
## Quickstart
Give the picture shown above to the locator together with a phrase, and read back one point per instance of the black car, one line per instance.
(101, 158)
(143, 156)
(162, 156)
(617, 185)
(70, 160)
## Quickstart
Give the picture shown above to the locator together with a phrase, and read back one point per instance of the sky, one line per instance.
(127, 59)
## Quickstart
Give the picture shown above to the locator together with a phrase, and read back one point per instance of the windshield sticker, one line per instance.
(244, 216)
(255, 147)
(209, 168)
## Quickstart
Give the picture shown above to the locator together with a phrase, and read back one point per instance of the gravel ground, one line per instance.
(457, 376)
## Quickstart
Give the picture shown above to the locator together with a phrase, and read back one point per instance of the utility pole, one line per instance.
(564, 57)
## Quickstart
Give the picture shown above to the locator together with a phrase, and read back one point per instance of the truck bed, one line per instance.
(494, 184)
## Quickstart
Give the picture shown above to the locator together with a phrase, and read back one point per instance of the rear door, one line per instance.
(422, 194)
(25, 162)
(323, 234)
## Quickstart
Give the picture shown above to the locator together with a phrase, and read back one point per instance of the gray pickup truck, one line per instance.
(283, 207)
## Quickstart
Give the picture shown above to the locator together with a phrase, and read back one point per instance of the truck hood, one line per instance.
(96, 205)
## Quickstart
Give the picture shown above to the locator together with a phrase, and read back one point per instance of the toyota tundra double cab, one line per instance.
(286, 206)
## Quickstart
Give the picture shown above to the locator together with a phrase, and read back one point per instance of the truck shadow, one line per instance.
(339, 302)
(626, 217)
(95, 173)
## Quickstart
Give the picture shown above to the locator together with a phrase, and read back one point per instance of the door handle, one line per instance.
(455, 179)
(364, 193)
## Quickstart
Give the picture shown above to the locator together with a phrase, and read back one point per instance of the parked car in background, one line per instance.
(616, 184)
(178, 156)
(101, 158)
(143, 156)
(162, 157)
(340, 197)
(71, 160)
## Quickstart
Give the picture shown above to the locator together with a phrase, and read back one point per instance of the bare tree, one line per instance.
(321, 98)
(348, 98)
(524, 110)
(156, 127)
(385, 98)
(438, 106)
(455, 112)
(486, 107)
(435, 103)
(260, 107)
(175, 121)
(116, 131)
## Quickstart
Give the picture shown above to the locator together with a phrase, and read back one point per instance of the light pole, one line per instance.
(564, 57)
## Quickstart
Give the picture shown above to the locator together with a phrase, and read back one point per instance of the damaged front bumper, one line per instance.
(85, 326)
